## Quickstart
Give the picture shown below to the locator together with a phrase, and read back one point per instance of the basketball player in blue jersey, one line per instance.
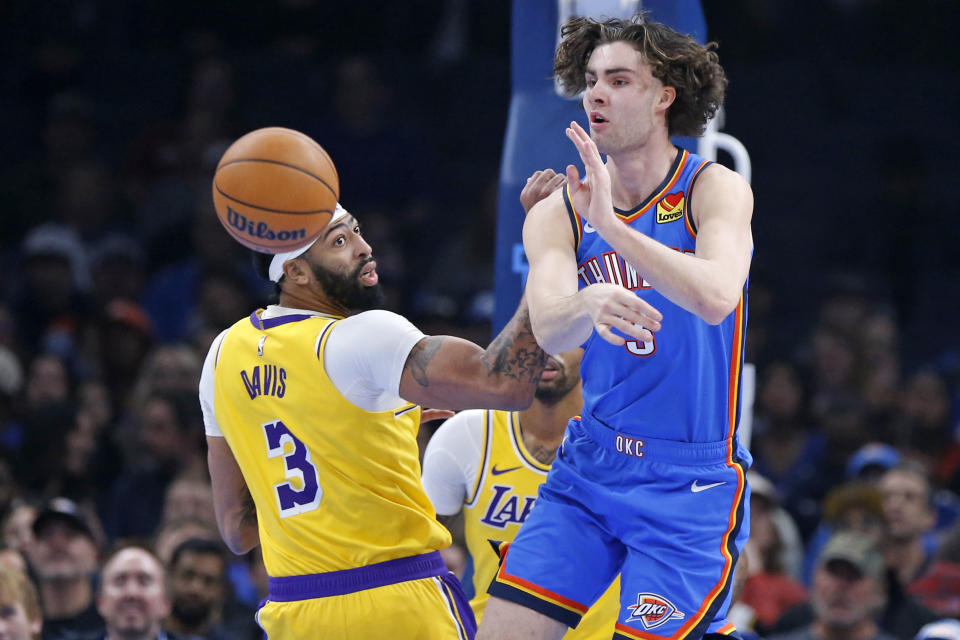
(645, 264)
(311, 409)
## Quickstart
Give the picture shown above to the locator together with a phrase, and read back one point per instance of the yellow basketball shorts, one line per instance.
(402, 599)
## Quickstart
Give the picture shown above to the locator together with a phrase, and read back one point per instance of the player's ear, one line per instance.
(667, 95)
(297, 270)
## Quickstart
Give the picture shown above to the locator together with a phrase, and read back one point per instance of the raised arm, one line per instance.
(708, 283)
(451, 372)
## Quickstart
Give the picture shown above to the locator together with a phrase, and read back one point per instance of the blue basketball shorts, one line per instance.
(670, 517)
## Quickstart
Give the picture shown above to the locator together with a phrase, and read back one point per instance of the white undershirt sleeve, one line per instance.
(452, 461)
(365, 355)
(206, 387)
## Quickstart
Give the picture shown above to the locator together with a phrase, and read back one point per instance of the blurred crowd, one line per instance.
(117, 276)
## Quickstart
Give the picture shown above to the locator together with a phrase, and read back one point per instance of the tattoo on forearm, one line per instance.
(515, 352)
(420, 356)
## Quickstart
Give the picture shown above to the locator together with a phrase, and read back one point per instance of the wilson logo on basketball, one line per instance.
(670, 207)
(653, 611)
(261, 230)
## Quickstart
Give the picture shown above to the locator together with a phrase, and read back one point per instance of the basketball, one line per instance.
(275, 189)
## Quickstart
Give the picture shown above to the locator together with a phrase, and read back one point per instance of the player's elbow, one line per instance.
(715, 308)
(240, 542)
(549, 341)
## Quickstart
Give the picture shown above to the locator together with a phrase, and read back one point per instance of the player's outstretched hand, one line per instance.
(613, 307)
(539, 186)
(592, 197)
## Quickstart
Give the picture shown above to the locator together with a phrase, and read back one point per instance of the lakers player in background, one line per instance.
(311, 408)
(488, 464)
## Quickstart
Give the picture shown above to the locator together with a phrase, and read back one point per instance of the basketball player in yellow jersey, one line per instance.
(489, 464)
(311, 409)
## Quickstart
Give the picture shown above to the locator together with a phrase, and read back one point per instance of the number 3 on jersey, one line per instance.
(292, 501)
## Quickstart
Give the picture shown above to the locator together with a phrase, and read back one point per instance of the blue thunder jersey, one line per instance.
(685, 384)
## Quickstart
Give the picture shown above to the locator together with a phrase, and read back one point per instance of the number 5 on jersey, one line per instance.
(641, 348)
(290, 500)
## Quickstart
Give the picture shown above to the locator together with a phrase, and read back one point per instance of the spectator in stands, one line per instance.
(769, 589)
(17, 529)
(124, 337)
(200, 593)
(939, 588)
(910, 516)
(133, 596)
(64, 556)
(922, 429)
(899, 614)
(787, 449)
(51, 307)
(847, 595)
(118, 269)
(170, 444)
(20, 617)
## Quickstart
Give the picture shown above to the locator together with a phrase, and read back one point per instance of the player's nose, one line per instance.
(596, 94)
(363, 247)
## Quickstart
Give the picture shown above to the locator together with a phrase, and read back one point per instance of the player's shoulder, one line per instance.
(375, 317)
(374, 320)
(717, 175)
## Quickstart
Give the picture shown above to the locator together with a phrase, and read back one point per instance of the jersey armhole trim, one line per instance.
(223, 338)
(574, 217)
(322, 337)
(481, 470)
(688, 210)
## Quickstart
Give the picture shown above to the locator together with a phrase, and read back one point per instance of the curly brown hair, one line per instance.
(676, 60)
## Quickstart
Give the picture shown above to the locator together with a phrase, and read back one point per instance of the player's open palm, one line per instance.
(592, 197)
(612, 307)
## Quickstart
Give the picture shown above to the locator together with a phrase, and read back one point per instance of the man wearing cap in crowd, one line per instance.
(870, 461)
(64, 557)
(847, 594)
(852, 599)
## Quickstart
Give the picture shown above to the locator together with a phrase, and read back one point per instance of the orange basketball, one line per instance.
(275, 189)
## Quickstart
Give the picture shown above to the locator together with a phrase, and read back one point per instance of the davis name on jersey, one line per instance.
(274, 381)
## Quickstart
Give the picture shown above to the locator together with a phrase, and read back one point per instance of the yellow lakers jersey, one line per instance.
(503, 494)
(335, 487)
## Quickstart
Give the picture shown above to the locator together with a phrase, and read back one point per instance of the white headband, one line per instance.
(276, 264)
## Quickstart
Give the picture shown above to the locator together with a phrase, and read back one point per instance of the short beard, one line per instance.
(556, 391)
(347, 291)
(189, 614)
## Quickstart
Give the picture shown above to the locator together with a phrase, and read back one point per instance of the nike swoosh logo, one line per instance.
(497, 472)
(587, 228)
(697, 488)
